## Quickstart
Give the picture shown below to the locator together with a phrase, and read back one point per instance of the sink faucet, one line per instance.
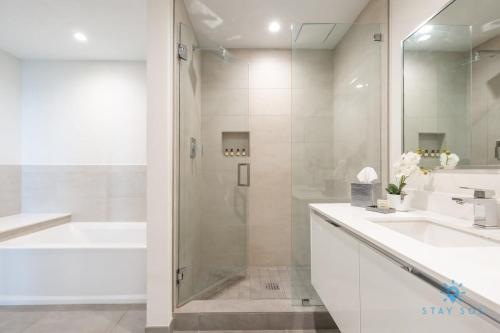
(485, 207)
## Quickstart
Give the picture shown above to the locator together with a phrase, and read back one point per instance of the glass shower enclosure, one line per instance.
(213, 169)
(335, 111)
(336, 122)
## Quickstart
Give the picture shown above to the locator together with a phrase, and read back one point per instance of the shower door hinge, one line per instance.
(182, 51)
(180, 274)
(377, 37)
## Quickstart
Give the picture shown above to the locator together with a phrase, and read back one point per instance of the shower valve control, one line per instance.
(180, 274)
(182, 51)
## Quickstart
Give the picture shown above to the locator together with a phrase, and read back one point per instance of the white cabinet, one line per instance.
(366, 292)
(394, 300)
(335, 272)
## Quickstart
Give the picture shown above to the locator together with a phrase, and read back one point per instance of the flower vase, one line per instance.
(398, 202)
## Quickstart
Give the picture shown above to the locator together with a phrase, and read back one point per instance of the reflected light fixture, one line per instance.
(274, 27)
(424, 38)
(426, 29)
(80, 37)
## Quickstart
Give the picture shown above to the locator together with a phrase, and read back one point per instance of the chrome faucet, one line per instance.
(485, 207)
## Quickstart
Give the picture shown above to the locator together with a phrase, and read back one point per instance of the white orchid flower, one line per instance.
(449, 160)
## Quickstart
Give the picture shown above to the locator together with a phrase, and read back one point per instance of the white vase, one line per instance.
(401, 205)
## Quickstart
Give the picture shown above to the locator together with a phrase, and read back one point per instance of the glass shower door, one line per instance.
(336, 122)
(214, 168)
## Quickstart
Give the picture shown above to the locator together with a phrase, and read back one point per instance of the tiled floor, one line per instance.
(90, 319)
(270, 283)
(73, 319)
(260, 283)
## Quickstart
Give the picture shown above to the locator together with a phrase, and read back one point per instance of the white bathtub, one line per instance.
(75, 263)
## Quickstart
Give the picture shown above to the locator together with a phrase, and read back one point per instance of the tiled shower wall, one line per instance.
(269, 216)
(89, 193)
(252, 94)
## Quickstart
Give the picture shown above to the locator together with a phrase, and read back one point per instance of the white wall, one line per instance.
(84, 113)
(10, 109)
(160, 163)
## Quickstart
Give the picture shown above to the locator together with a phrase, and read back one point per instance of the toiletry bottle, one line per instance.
(426, 153)
(231, 152)
(244, 152)
(238, 152)
(226, 152)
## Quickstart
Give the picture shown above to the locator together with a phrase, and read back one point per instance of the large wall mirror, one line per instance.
(452, 85)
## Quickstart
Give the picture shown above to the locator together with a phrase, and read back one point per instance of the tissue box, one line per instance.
(364, 195)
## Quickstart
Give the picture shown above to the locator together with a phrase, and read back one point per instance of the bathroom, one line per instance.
(227, 139)
(73, 154)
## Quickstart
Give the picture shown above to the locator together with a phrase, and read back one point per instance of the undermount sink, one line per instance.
(428, 232)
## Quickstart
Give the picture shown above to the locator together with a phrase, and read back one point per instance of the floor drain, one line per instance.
(272, 286)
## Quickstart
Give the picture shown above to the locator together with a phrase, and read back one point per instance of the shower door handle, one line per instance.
(244, 177)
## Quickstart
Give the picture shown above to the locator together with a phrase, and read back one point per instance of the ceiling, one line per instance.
(44, 29)
(244, 23)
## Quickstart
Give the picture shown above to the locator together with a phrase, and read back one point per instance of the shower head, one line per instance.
(476, 56)
(219, 51)
(222, 52)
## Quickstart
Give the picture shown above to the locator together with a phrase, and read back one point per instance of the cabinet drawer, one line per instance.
(335, 272)
(394, 300)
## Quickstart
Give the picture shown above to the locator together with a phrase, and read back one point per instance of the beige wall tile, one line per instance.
(268, 102)
(269, 245)
(89, 193)
(10, 190)
(270, 75)
(271, 156)
(269, 129)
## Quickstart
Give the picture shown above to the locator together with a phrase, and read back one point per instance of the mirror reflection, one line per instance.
(452, 87)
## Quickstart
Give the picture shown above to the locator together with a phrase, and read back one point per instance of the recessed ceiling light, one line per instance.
(80, 37)
(424, 38)
(274, 27)
(426, 29)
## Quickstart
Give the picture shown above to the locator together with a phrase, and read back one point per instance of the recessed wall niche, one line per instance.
(236, 144)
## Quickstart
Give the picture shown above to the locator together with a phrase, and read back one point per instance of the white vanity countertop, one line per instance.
(476, 268)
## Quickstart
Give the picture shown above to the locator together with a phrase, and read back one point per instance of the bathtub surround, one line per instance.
(22, 224)
(83, 129)
(10, 190)
(90, 193)
(10, 135)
